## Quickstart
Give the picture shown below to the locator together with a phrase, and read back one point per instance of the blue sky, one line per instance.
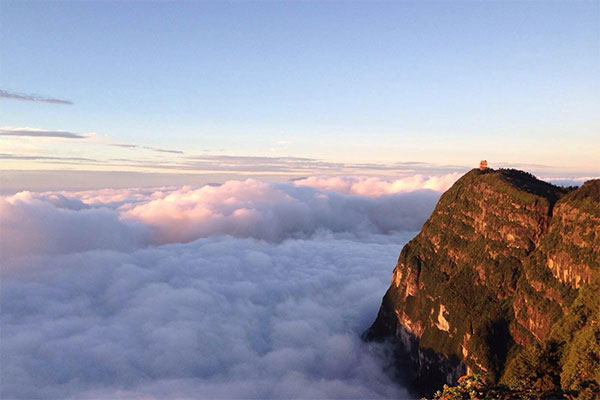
(340, 82)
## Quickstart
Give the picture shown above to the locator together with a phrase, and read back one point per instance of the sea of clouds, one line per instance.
(247, 289)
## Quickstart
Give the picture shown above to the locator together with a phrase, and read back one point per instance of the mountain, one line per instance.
(503, 281)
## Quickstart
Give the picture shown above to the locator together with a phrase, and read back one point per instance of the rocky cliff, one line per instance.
(502, 281)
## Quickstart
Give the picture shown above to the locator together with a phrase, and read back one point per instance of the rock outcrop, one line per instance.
(504, 273)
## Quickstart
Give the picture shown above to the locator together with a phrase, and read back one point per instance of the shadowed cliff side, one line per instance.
(502, 262)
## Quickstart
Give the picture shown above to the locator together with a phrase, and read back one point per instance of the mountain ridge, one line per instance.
(500, 262)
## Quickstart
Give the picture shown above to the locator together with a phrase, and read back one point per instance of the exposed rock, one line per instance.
(495, 268)
(442, 323)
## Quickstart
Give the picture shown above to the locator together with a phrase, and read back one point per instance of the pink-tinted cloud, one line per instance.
(64, 222)
(373, 186)
(116, 198)
(275, 212)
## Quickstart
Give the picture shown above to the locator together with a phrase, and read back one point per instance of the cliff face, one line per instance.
(498, 267)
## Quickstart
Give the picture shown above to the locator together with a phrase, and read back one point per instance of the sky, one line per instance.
(285, 89)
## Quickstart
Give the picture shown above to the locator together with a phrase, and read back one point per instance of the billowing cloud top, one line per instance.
(373, 186)
(37, 223)
(248, 289)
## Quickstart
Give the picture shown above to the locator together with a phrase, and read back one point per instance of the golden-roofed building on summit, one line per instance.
(483, 165)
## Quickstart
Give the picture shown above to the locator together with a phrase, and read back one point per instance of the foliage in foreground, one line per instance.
(475, 388)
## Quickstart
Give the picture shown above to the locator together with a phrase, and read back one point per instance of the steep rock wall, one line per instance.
(498, 263)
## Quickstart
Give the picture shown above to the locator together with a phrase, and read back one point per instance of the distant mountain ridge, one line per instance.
(502, 281)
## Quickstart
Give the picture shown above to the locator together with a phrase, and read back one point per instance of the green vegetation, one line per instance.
(477, 388)
(569, 359)
(515, 262)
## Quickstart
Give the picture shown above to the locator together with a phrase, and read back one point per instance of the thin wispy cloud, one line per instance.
(32, 97)
(163, 150)
(4, 156)
(308, 165)
(31, 132)
(135, 146)
(293, 166)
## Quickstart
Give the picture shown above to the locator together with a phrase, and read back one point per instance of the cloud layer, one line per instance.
(56, 225)
(216, 318)
(59, 223)
(275, 212)
(248, 289)
(373, 186)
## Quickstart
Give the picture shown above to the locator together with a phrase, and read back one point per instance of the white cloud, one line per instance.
(57, 224)
(269, 303)
(569, 181)
(215, 318)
